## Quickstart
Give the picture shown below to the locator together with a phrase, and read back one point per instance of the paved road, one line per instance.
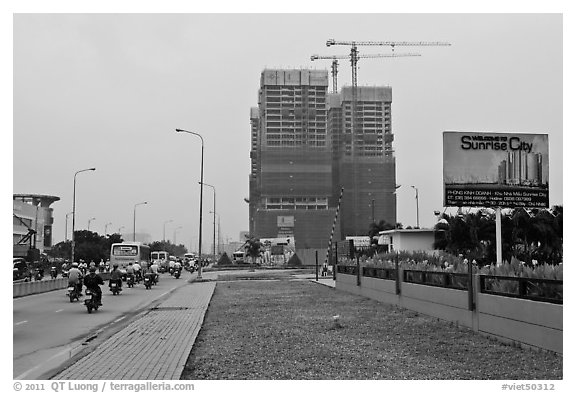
(48, 329)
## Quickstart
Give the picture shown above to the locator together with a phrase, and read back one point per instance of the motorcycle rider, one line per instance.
(129, 271)
(177, 266)
(93, 282)
(137, 271)
(154, 270)
(75, 278)
(102, 266)
(115, 276)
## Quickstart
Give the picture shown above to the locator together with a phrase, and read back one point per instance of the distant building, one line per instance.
(32, 212)
(303, 154)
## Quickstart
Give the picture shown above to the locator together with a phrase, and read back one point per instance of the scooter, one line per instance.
(130, 280)
(115, 287)
(148, 281)
(73, 293)
(53, 272)
(90, 302)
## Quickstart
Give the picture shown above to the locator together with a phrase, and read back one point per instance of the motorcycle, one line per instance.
(115, 287)
(171, 271)
(177, 273)
(64, 273)
(38, 275)
(90, 302)
(130, 280)
(73, 293)
(147, 281)
(53, 272)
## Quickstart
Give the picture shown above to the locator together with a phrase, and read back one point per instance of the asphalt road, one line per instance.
(48, 329)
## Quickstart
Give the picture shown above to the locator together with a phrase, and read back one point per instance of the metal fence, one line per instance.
(538, 289)
(379, 272)
(438, 279)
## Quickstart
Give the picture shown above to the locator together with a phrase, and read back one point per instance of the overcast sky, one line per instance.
(108, 90)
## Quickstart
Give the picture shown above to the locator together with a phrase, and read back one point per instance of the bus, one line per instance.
(124, 253)
(160, 257)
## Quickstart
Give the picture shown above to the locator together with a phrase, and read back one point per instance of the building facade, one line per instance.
(32, 212)
(291, 178)
(363, 165)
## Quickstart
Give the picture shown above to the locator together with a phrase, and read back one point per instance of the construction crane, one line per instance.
(354, 56)
(370, 56)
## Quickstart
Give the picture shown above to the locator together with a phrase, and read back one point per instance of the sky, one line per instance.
(109, 90)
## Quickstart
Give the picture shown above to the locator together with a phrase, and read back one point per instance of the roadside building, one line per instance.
(407, 239)
(32, 222)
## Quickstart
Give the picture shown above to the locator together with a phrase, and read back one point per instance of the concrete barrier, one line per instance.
(527, 322)
(46, 285)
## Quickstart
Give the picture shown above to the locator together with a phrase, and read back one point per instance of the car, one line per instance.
(21, 269)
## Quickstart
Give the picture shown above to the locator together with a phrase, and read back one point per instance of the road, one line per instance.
(48, 329)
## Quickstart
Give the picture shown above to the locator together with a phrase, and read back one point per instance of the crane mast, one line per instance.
(354, 56)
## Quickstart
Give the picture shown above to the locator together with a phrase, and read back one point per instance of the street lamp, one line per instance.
(74, 208)
(66, 228)
(164, 232)
(90, 220)
(106, 228)
(214, 222)
(417, 216)
(175, 231)
(201, 189)
(219, 233)
(138, 204)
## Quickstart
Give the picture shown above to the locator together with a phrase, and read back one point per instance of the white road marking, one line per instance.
(59, 310)
(119, 319)
(20, 323)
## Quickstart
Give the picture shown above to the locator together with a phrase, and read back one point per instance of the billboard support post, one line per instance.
(498, 236)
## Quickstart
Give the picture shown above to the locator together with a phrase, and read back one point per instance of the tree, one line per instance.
(526, 235)
(172, 249)
(253, 248)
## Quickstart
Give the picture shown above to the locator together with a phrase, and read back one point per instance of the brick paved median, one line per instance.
(154, 347)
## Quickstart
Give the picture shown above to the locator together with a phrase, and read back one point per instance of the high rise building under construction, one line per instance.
(301, 156)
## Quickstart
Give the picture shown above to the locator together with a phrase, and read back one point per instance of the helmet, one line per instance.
(92, 269)
(74, 264)
(115, 265)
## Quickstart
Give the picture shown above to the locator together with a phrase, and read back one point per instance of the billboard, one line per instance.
(484, 169)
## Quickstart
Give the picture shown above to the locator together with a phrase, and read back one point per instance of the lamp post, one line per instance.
(138, 204)
(214, 222)
(417, 216)
(89, 221)
(66, 228)
(106, 228)
(164, 232)
(74, 209)
(201, 189)
(176, 231)
(373, 210)
(219, 233)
